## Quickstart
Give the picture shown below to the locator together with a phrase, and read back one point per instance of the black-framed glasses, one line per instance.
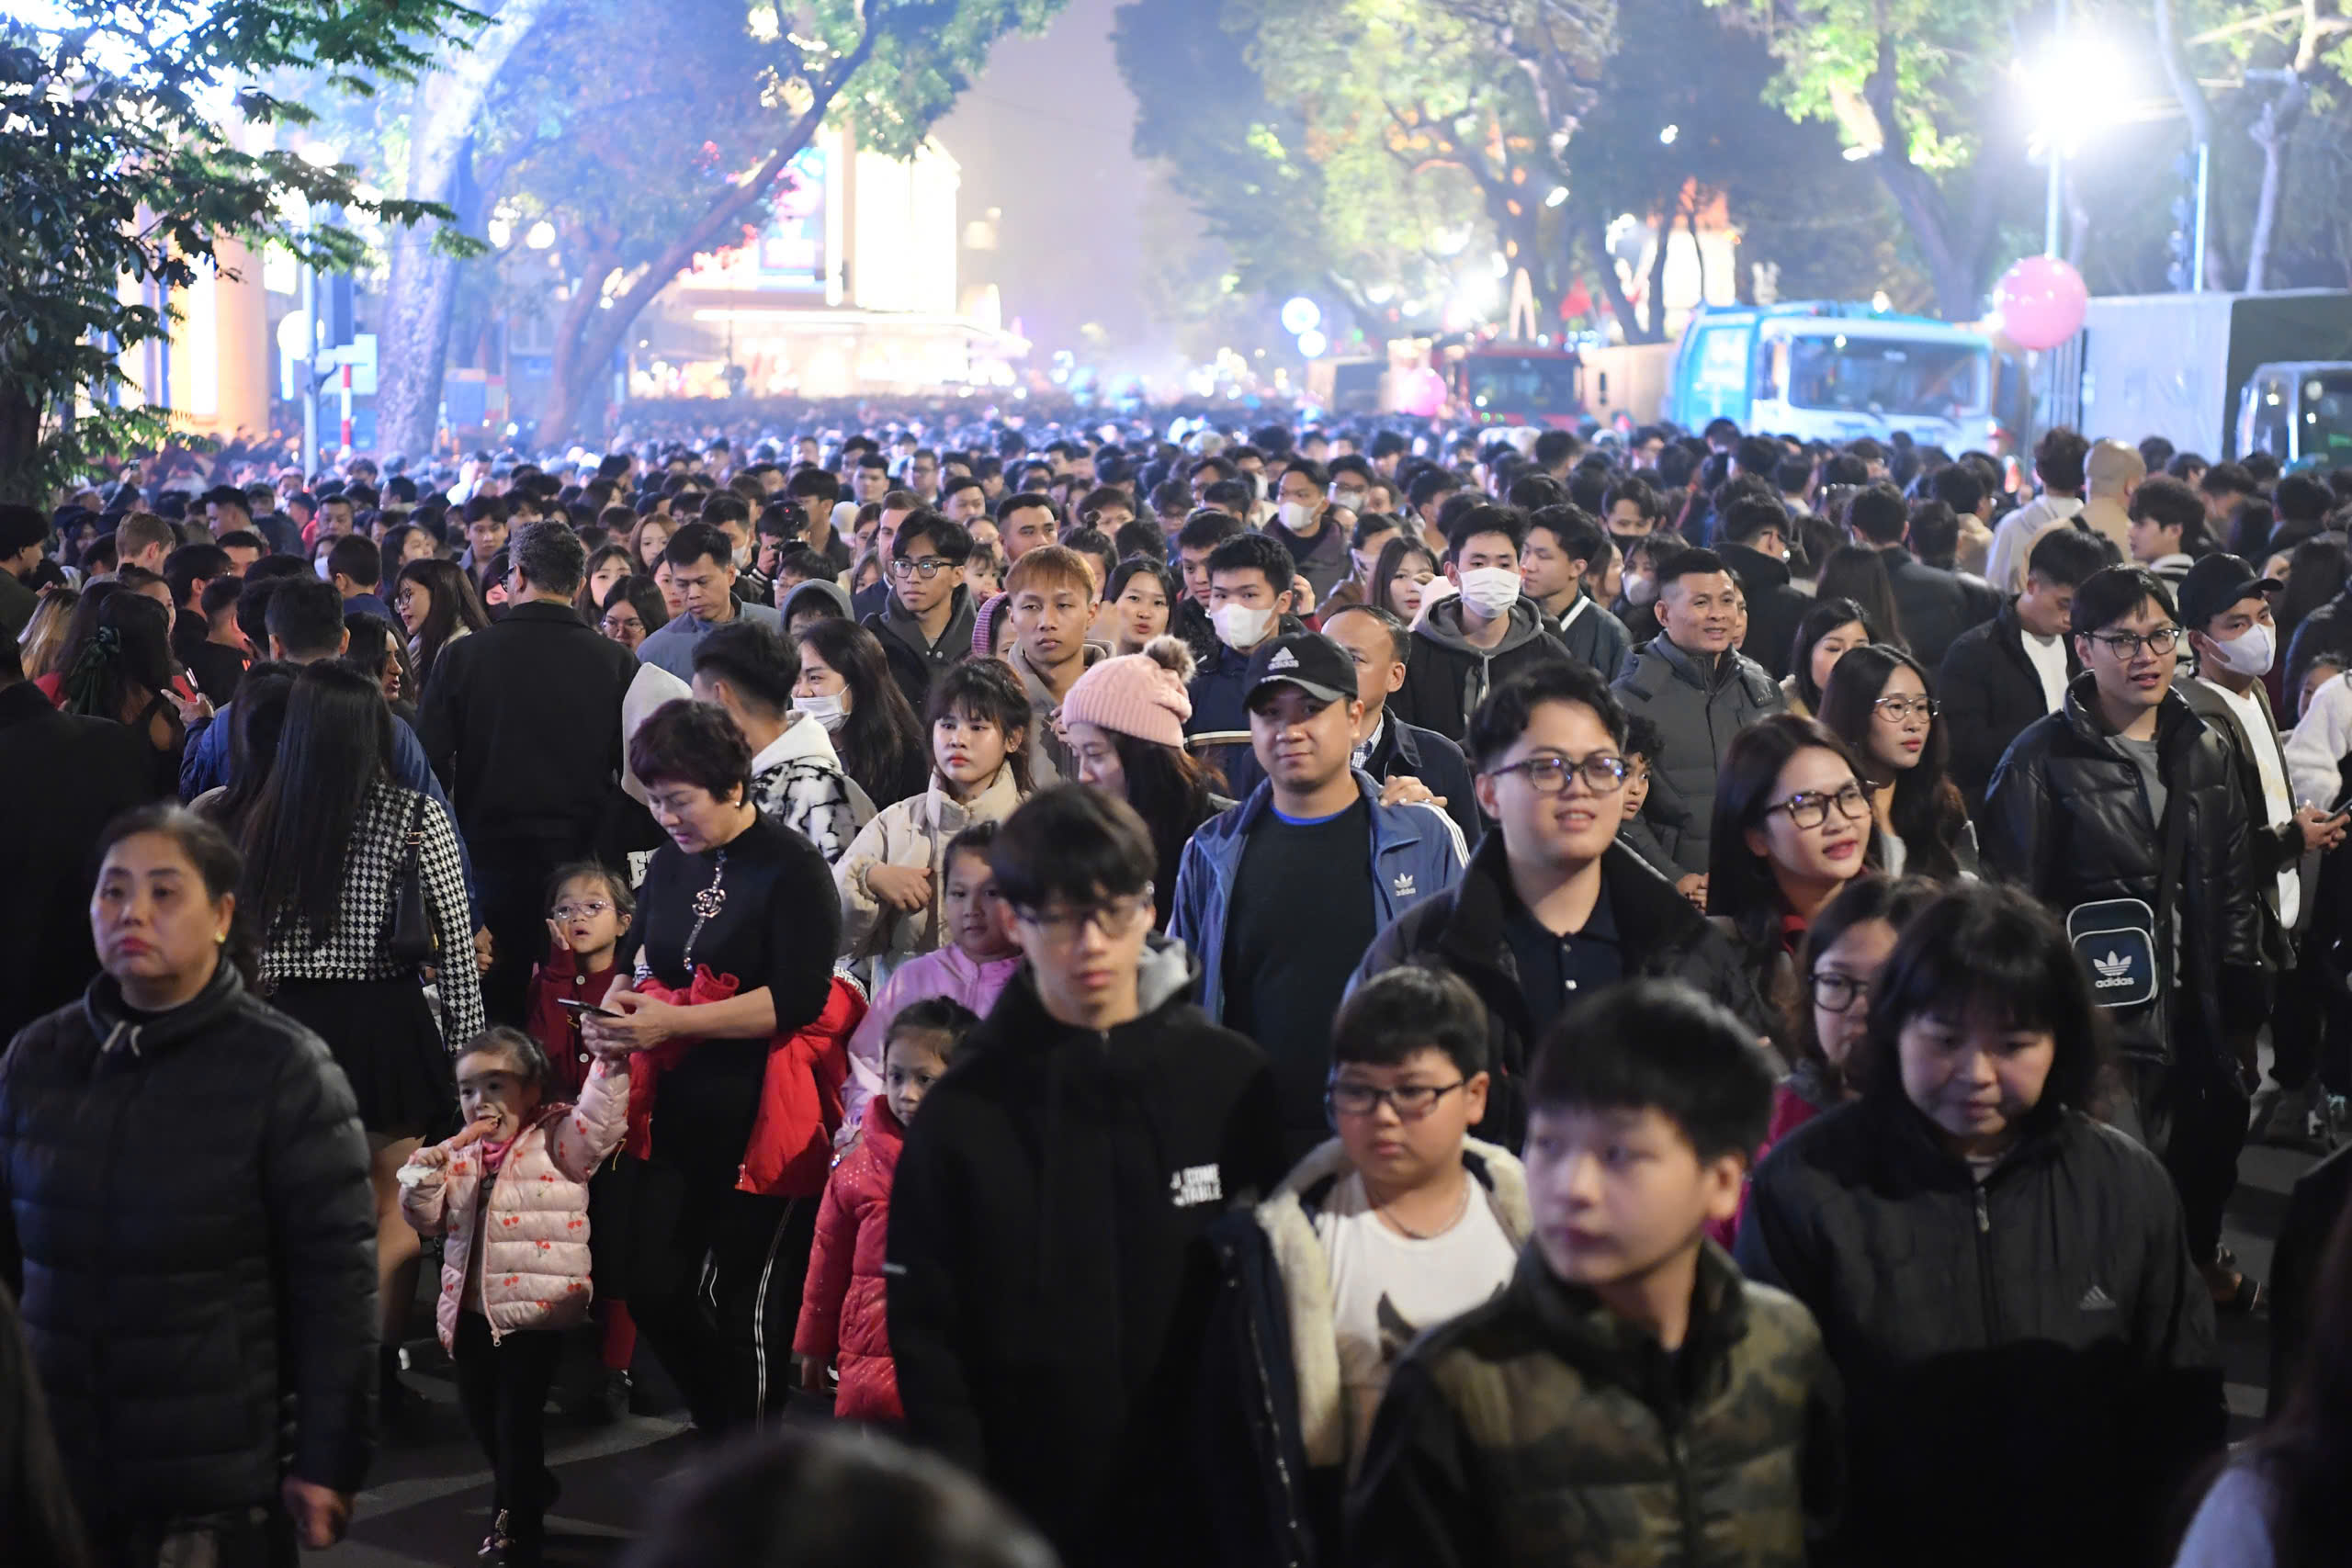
(1894, 710)
(1114, 917)
(612, 626)
(1412, 1101)
(2127, 645)
(1810, 808)
(1603, 772)
(927, 568)
(1833, 992)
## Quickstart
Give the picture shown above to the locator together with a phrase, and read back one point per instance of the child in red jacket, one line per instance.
(589, 911)
(841, 1304)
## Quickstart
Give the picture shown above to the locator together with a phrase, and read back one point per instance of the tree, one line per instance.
(135, 149)
(1915, 88)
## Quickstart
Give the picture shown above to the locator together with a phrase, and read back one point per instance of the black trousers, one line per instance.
(2192, 1116)
(717, 1295)
(512, 878)
(259, 1537)
(503, 1388)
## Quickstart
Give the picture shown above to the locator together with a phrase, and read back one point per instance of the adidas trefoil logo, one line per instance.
(2096, 1300)
(1403, 884)
(1284, 659)
(2114, 970)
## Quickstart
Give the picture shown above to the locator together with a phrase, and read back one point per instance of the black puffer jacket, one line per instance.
(1461, 929)
(188, 1213)
(2067, 819)
(2040, 1338)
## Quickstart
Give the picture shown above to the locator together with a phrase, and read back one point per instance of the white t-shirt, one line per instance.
(2278, 801)
(1386, 1288)
(2048, 657)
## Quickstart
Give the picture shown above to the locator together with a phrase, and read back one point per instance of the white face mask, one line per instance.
(1240, 626)
(1294, 515)
(1491, 591)
(827, 711)
(2250, 653)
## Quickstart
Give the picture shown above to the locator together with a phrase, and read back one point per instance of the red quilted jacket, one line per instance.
(800, 1098)
(841, 1304)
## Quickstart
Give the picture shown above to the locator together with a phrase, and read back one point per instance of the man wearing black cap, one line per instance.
(1279, 896)
(2224, 606)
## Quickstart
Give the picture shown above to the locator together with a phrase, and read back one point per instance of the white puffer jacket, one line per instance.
(914, 832)
(535, 1262)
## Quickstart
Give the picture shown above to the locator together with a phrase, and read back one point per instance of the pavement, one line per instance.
(428, 1506)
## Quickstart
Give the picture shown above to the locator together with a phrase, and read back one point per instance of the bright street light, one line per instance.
(1665, 138)
(1559, 194)
(322, 154)
(1311, 343)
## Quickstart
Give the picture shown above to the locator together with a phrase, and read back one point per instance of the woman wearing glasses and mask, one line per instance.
(1791, 828)
(1882, 710)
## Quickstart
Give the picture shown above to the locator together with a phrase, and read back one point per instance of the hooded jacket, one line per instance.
(831, 593)
(1416, 851)
(842, 1304)
(1401, 750)
(1542, 1429)
(1050, 762)
(915, 661)
(2039, 1338)
(532, 1231)
(798, 780)
(1461, 929)
(1279, 1421)
(1446, 677)
(914, 832)
(1697, 714)
(2067, 819)
(188, 1216)
(1049, 1280)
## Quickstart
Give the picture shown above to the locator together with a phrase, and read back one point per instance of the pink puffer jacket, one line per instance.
(535, 1263)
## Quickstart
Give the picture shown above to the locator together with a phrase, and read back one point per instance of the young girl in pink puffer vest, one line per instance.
(510, 1194)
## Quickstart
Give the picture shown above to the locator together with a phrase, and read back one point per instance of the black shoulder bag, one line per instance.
(410, 938)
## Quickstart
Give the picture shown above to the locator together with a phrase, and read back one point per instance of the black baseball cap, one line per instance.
(2215, 583)
(1309, 661)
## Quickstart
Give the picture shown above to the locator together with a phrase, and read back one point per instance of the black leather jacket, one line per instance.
(2066, 818)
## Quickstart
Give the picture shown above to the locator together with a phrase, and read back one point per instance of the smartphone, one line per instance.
(575, 1005)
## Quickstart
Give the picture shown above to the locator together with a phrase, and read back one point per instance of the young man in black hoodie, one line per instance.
(925, 625)
(1471, 642)
(1048, 1276)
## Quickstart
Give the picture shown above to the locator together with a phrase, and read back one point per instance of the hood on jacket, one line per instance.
(898, 623)
(117, 1026)
(1304, 1266)
(803, 740)
(821, 587)
(2082, 717)
(1753, 567)
(649, 688)
(1442, 626)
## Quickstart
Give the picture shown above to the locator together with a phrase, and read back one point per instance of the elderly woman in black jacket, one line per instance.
(186, 1206)
(2004, 1283)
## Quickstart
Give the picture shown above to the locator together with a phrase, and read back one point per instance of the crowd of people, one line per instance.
(1292, 995)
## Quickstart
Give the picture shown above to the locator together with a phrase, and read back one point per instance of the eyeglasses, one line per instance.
(613, 625)
(1114, 917)
(1413, 1101)
(2127, 645)
(587, 911)
(1894, 710)
(926, 569)
(1810, 808)
(1834, 992)
(1602, 773)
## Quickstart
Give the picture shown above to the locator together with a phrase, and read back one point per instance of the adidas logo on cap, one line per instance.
(1284, 659)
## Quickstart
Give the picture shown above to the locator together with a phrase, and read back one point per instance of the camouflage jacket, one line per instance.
(1542, 1429)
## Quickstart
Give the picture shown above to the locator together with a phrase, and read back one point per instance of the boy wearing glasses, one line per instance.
(1396, 1225)
(925, 623)
(2123, 813)
(1048, 1284)
(1553, 908)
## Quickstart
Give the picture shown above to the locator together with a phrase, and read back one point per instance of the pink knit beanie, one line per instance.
(1137, 693)
(984, 624)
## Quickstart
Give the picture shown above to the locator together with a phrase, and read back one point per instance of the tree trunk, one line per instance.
(2270, 131)
(1613, 287)
(413, 335)
(1666, 214)
(19, 446)
(590, 337)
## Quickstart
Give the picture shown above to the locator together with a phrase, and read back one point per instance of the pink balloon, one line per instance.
(2042, 302)
(1424, 393)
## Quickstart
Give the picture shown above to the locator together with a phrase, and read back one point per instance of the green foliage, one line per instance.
(135, 143)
